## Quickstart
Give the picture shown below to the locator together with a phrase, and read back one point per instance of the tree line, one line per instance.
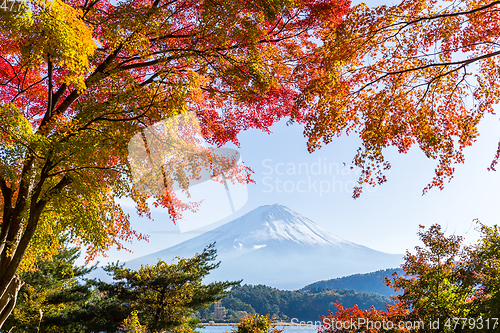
(57, 298)
(443, 281)
(285, 305)
(446, 286)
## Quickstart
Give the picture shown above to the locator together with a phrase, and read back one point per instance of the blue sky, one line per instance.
(385, 218)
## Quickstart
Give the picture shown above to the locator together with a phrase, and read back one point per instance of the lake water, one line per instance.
(287, 329)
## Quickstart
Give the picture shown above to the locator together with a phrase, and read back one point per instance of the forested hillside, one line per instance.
(285, 304)
(369, 282)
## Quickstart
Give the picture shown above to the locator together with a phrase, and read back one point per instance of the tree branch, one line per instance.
(71, 98)
(462, 64)
(429, 18)
(7, 209)
(50, 105)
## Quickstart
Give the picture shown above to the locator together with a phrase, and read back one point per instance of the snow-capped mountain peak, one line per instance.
(274, 245)
(280, 223)
(270, 225)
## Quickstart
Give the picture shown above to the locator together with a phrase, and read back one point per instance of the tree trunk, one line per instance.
(12, 233)
(8, 300)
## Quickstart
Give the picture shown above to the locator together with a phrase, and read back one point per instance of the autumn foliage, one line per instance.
(419, 73)
(80, 78)
(370, 320)
(447, 287)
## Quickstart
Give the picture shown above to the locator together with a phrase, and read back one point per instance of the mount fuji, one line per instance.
(276, 246)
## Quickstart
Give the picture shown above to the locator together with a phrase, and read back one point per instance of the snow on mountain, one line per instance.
(276, 246)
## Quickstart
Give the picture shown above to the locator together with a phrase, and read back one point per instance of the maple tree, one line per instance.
(483, 270)
(446, 284)
(80, 78)
(419, 72)
(438, 285)
(371, 320)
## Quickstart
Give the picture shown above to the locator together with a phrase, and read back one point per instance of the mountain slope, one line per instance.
(285, 304)
(369, 282)
(276, 246)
